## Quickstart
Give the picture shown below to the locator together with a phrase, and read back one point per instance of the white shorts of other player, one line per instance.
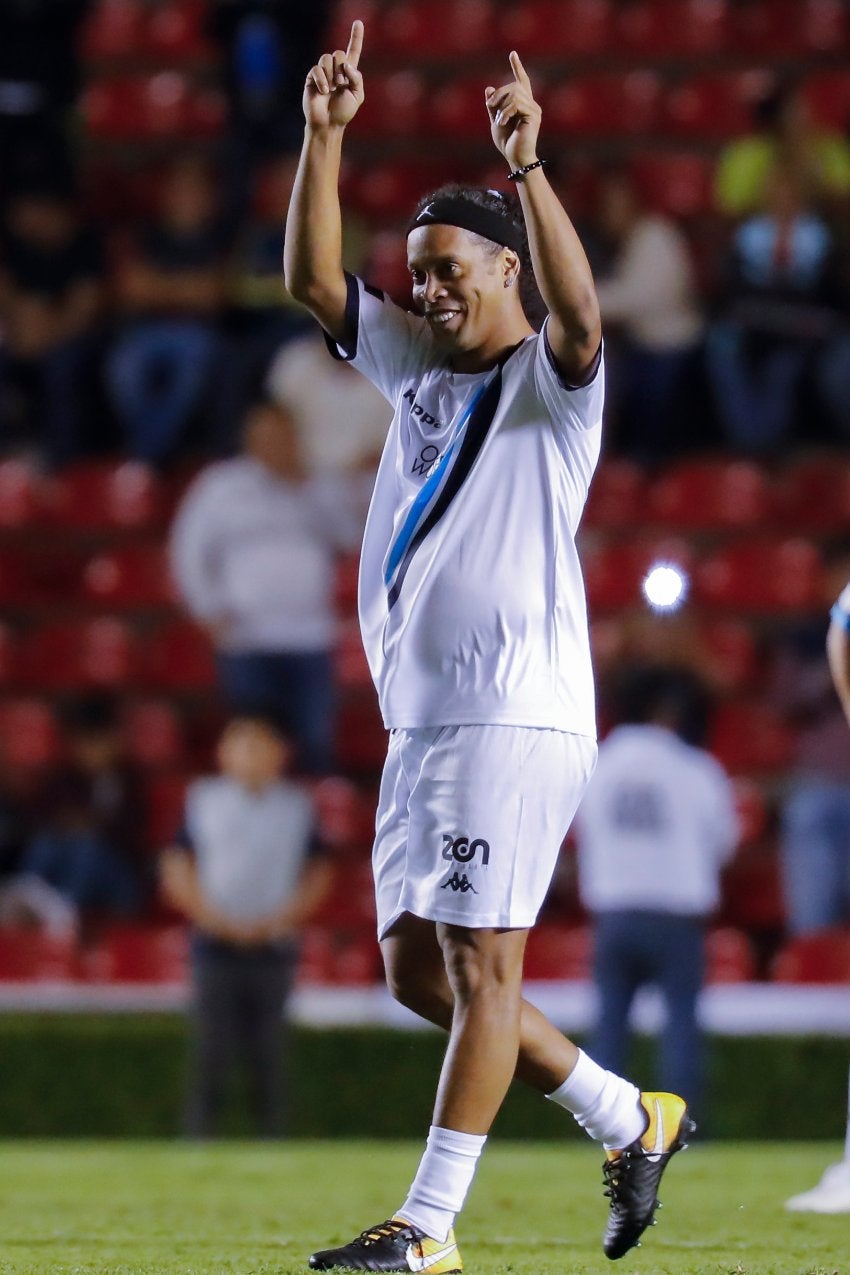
(470, 821)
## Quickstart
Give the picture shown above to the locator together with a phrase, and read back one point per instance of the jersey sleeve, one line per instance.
(840, 613)
(384, 342)
(577, 407)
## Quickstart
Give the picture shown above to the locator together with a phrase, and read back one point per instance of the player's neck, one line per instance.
(493, 349)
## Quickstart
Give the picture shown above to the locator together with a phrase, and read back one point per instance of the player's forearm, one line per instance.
(560, 265)
(312, 251)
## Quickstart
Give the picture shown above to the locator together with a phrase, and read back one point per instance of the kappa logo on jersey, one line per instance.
(462, 850)
(418, 411)
(459, 883)
(426, 460)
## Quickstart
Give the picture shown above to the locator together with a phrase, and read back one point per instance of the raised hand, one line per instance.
(514, 117)
(334, 87)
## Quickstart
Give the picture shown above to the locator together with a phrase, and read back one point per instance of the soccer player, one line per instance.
(832, 1193)
(474, 622)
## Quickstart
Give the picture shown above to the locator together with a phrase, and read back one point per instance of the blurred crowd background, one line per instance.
(184, 474)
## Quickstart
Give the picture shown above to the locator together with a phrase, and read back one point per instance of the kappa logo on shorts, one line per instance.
(464, 850)
(459, 883)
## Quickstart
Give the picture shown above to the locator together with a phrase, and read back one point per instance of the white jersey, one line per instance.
(472, 602)
(655, 826)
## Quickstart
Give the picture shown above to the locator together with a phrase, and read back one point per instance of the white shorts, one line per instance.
(470, 821)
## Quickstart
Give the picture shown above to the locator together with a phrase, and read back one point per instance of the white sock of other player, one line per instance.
(442, 1180)
(605, 1105)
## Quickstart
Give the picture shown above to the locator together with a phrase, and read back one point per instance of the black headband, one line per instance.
(448, 210)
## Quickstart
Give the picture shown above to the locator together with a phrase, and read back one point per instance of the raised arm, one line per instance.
(312, 252)
(560, 266)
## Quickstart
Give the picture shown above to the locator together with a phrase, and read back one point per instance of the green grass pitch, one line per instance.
(535, 1209)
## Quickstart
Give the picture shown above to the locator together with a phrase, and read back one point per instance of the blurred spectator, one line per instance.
(649, 299)
(253, 549)
(783, 314)
(89, 816)
(784, 137)
(261, 316)
(815, 842)
(38, 78)
(51, 293)
(266, 46)
(171, 290)
(341, 419)
(654, 829)
(247, 871)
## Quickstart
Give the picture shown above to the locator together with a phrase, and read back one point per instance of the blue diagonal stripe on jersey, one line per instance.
(442, 486)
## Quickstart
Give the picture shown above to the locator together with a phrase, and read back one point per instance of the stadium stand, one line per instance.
(84, 580)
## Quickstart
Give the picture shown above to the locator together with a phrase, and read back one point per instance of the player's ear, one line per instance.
(510, 267)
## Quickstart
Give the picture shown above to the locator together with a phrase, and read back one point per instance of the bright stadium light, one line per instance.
(665, 586)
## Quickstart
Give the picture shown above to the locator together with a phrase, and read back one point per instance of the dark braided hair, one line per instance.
(507, 206)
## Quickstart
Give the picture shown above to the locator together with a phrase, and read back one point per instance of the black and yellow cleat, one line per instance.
(633, 1174)
(393, 1245)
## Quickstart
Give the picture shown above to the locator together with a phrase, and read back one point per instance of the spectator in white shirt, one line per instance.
(654, 829)
(253, 553)
(650, 305)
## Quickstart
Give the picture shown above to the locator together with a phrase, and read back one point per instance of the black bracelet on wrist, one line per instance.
(520, 172)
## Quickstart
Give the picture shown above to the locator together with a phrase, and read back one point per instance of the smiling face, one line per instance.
(459, 284)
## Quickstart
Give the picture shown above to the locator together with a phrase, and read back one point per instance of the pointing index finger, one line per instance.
(520, 73)
(355, 43)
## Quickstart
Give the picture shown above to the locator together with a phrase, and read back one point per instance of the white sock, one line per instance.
(605, 1105)
(442, 1180)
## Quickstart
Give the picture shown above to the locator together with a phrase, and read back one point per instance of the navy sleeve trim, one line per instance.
(345, 350)
(183, 839)
(590, 375)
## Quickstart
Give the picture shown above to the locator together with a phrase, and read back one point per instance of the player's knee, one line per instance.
(477, 966)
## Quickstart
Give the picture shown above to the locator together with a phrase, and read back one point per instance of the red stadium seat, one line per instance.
(172, 105)
(155, 734)
(134, 578)
(821, 957)
(174, 31)
(29, 954)
(751, 805)
(345, 815)
(456, 106)
(29, 737)
(113, 109)
(558, 952)
(388, 191)
(671, 28)
(349, 657)
(767, 576)
(361, 737)
(81, 654)
(730, 648)
(139, 954)
(713, 106)
(113, 29)
(179, 657)
(10, 656)
(750, 737)
(552, 28)
(617, 494)
(387, 266)
(814, 495)
(103, 496)
(441, 29)
(600, 105)
(166, 803)
(752, 891)
(729, 956)
(351, 899)
(791, 28)
(614, 573)
(710, 494)
(19, 495)
(345, 585)
(828, 98)
(393, 105)
(677, 183)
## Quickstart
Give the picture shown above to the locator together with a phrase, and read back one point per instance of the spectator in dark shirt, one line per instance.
(171, 288)
(89, 817)
(51, 295)
(783, 315)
